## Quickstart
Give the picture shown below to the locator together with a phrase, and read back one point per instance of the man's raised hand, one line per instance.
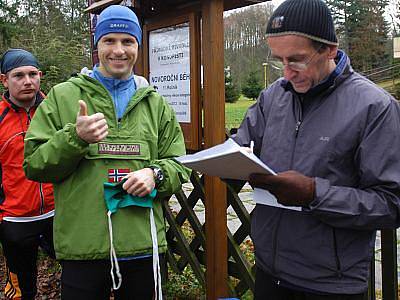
(91, 129)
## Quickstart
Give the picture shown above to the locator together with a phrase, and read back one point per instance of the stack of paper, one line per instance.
(227, 160)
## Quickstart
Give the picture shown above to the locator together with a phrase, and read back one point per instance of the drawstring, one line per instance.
(156, 259)
(113, 256)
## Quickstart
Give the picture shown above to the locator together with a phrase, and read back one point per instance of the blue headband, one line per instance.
(15, 58)
(117, 19)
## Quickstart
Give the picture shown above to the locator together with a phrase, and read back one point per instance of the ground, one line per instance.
(49, 274)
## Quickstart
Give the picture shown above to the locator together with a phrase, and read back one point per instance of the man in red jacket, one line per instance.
(26, 207)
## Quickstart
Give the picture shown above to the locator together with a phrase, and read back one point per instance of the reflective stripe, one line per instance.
(29, 219)
(10, 139)
(12, 289)
(4, 113)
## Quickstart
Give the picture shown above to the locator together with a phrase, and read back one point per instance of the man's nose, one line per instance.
(288, 73)
(28, 79)
(118, 49)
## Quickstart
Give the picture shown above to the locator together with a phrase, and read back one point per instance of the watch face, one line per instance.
(158, 175)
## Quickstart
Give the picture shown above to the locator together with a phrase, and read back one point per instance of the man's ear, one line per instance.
(40, 74)
(4, 81)
(332, 51)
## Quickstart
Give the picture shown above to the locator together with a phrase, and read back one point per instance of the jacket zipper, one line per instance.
(299, 120)
(115, 104)
(28, 113)
(338, 266)
(128, 109)
(28, 121)
(275, 244)
(296, 133)
(119, 120)
(41, 199)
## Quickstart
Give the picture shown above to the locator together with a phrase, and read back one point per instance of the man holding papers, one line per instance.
(333, 138)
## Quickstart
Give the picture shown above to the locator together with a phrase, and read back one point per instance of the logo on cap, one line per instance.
(119, 25)
(277, 22)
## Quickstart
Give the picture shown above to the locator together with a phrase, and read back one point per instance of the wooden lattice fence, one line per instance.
(184, 251)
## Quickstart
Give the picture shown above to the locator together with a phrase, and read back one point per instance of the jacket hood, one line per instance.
(92, 86)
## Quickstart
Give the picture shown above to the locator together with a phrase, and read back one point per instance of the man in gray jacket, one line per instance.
(333, 137)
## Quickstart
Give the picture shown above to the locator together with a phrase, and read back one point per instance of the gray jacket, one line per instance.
(346, 136)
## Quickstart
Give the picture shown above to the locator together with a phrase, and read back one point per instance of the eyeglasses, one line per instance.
(294, 66)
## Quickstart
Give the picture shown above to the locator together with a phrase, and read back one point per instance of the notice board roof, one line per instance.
(152, 8)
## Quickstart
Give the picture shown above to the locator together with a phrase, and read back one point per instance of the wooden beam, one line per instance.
(389, 264)
(97, 6)
(214, 133)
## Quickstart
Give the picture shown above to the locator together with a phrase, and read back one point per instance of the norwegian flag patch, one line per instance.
(116, 175)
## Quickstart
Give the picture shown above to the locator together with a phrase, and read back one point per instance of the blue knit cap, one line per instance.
(118, 19)
(15, 58)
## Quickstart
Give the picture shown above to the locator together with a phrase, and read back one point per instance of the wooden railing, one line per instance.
(184, 250)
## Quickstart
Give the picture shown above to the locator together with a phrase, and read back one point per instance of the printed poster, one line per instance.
(169, 62)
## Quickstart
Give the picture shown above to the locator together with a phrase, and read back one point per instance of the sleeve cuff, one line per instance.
(321, 188)
(76, 139)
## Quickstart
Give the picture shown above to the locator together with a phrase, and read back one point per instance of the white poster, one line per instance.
(396, 47)
(169, 60)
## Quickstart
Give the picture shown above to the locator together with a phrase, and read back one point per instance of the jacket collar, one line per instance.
(112, 83)
(6, 97)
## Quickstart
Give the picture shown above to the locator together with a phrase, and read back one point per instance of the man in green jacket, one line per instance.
(99, 127)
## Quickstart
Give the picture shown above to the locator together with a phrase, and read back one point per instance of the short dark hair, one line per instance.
(318, 45)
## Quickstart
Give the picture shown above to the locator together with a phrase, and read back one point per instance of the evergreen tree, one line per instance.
(8, 23)
(52, 75)
(252, 86)
(231, 91)
(362, 31)
(55, 31)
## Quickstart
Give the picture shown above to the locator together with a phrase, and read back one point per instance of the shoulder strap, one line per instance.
(4, 113)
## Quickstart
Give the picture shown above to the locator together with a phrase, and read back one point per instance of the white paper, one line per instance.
(227, 160)
(169, 64)
(264, 197)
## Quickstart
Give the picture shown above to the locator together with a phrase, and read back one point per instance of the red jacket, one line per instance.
(19, 197)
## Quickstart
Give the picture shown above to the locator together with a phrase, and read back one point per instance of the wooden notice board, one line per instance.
(171, 62)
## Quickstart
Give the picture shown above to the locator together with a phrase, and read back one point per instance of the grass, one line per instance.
(388, 84)
(234, 112)
(183, 285)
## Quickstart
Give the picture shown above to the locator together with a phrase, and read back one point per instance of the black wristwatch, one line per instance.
(158, 175)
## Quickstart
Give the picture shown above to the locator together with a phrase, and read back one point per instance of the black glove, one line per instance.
(290, 188)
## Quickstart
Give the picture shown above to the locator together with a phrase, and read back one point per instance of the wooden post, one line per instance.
(389, 264)
(214, 133)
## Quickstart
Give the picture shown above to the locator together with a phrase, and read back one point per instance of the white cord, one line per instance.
(156, 259)
(113, 256)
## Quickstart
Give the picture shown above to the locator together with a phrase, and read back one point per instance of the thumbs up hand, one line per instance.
(91, 129)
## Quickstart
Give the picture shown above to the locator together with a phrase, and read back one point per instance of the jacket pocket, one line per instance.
(335, 251)
(2, 195)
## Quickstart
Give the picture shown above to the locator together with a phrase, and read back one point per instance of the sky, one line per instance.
(390, 8)
(274, 2)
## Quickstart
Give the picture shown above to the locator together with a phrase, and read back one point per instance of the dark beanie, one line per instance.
(15, 58)
(117, 19)
(308, 18)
